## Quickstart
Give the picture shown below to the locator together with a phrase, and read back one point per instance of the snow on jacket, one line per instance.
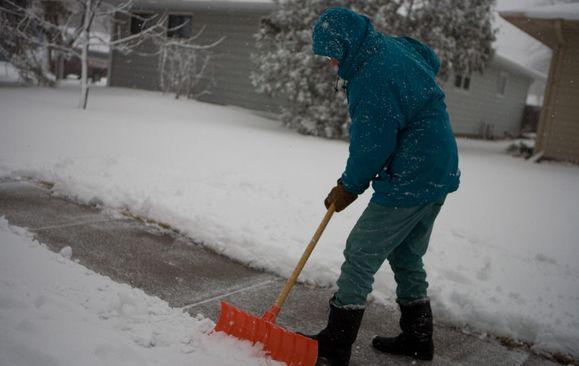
(400, 135)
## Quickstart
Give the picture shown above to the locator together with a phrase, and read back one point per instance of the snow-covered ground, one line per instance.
(54, 311)
(8, 74)
(503, 255)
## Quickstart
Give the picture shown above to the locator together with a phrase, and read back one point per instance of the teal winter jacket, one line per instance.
(400, 136)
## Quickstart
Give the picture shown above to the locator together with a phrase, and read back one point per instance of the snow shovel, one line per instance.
(282, 345)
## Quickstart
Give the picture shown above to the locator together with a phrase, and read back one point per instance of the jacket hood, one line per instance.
(424, 51)
(339, 33)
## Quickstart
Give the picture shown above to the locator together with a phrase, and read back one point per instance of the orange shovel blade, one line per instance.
(280, 344)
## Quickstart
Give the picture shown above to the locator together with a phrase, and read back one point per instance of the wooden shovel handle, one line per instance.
(309, 249)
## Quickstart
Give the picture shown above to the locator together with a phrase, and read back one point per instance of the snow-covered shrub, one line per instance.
(460, 31)
(25, 36)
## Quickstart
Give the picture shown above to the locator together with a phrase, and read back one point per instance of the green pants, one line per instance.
(400, 235)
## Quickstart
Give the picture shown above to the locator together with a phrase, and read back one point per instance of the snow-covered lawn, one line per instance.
(8, 74)
(56, 312)
(504, 253)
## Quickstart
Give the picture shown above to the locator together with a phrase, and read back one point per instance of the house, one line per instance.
(557, 26)
(483, 105)
(490, 104)
(231, 65)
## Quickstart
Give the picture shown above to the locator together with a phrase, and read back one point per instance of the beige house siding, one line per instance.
(559, 131)
(558, 134)
(471, 110)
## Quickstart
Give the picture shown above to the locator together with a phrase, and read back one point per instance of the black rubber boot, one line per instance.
(335, 341)
(416, 337)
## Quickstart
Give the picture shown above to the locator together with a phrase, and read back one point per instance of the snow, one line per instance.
(99, 41)
(536, 75)
(518, 45)
(557, 11)
(66, 252)
(54, 312)
(503, 256)
(515, 43)
(9, 74)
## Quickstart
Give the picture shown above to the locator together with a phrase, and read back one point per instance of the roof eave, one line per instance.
(514, 66)
(193, 5)
(549, 31)
(542, 30)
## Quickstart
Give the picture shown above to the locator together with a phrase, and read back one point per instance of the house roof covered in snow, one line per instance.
(549, 24)
(510, 64)
(190, 5)
(559, 11)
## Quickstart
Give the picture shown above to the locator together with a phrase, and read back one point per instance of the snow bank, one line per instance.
(56, 312)
(503, 256)
(9, 74)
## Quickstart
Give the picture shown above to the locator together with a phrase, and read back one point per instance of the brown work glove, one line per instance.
(339, 197)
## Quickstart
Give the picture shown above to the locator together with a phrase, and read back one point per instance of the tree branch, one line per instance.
(193, 46)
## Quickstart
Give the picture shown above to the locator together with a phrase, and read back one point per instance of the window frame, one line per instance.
(466, 81)
(502, 86)
(146, 18)
(176, 33)
(458, 81)
(462, 82)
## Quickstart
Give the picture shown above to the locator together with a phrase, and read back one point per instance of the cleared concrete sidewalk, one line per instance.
(189, 276)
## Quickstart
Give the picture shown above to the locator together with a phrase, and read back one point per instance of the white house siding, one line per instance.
(470, 110)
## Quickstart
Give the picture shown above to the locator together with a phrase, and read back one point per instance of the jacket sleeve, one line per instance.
(376, 120)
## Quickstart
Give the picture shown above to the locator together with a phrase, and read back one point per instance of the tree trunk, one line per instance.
(84, 57)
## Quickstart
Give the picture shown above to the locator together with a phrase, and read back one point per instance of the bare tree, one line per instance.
(40, 33)
(183, 65)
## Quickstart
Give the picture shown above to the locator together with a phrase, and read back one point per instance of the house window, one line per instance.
(466, 83)
(462, 82)
(502, 84)
(269, 26)
(140, 22)
(180, 26)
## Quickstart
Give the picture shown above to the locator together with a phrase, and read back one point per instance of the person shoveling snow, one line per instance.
(401, 142)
